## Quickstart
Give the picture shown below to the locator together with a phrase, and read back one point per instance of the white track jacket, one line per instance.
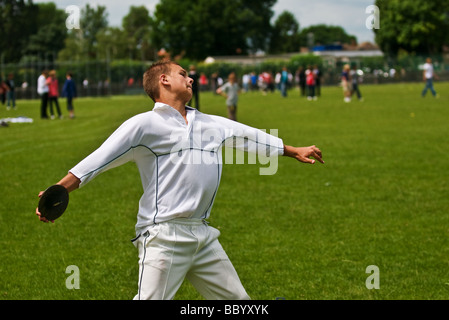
(180, 164)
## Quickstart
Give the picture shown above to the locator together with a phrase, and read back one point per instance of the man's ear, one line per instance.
(164, 79)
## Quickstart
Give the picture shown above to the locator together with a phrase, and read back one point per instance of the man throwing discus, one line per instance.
(180, 174)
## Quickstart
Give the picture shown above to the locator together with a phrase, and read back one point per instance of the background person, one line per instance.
(69, 91)
(230, 90)
(428, 76)
(42, 91)
(301, 80)
(317, 73)
(346, 83)
(311, 83)
(11, 93)
(3, 91)
(284, 82)
(195, 87)
(355, 81)
(53, 93)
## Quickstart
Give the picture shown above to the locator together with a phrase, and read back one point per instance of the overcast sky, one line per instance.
(349, 14)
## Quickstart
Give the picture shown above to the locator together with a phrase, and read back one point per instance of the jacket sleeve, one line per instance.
(245, 138)
(118, 149)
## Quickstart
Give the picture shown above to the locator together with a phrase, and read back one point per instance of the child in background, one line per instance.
(230, 90)
(69, 91)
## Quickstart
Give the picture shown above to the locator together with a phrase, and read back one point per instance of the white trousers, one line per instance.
(171, 251)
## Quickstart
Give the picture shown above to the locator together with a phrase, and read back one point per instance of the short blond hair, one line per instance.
(151, 77)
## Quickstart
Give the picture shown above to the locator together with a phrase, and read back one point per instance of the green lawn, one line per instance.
(307, 232)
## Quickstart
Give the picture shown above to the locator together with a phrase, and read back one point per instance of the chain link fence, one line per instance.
(124, 77)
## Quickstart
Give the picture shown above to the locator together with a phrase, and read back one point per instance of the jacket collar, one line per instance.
(161, 105)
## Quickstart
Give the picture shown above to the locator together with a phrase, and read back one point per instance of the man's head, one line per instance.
(170, 77)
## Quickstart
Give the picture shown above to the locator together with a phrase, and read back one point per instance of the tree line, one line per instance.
(195, 30)
(192, 30)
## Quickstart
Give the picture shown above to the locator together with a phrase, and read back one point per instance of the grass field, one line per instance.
(308, 232)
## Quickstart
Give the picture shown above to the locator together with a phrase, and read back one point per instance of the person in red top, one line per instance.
(310, 82)
(53, 93)
(203, 81)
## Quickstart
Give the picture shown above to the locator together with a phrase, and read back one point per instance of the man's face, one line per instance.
(180, 83)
